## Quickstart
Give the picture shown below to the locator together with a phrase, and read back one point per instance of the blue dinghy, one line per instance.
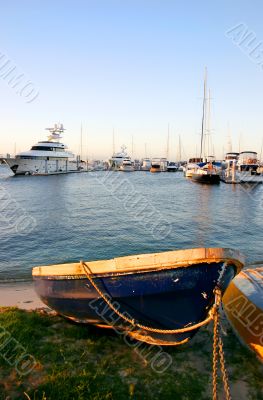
(148, 296)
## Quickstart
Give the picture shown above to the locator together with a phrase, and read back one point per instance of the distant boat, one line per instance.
(163, 164)
(248, 168)
(137, 165)
(181, 168)
(171, 167)
(229, 167)
(242, 167)
(207, 173)
(126, 165)
(243, 305)
(156, 165)
(146, 164)
(117, 158)
(156, 292)
(191, 166)
(46, 157)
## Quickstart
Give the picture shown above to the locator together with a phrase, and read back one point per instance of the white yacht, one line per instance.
(171, 166)
(242, 167)
(46, 157)
(117, 159)
(126, 165)
(228, 173)
(191, 167)
(163, 164)
(156, 165)
(248, 168)
(146, 164)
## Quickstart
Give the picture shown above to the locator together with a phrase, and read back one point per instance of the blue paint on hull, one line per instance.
(167, 299)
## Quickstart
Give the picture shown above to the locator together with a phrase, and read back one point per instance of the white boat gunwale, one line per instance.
(142, 263)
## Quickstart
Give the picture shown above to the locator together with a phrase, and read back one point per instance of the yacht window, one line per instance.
(42, 148)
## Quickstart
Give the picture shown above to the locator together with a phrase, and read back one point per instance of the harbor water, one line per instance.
(99, 215)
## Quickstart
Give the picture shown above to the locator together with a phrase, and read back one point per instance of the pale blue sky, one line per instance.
(132, 65)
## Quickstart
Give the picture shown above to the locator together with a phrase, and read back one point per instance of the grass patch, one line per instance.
(82, 362)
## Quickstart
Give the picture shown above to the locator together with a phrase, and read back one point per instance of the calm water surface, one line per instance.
(95, 216)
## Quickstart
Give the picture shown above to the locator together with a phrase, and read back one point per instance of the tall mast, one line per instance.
(239, 142)
(208, 137)
(132, 147)
(180, 150)
(168, 138)
(113, 142)
(203, 116)
(81, 141)
(229, 141)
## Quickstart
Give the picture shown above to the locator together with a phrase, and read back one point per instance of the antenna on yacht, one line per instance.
(145, 149)
(55, 131)
(123, 148)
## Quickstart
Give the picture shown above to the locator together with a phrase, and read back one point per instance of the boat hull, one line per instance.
(170, 298)
(126, 168)
(206, 178)
(155, 170)
(43, 167)
(243, 305)
(169, 169)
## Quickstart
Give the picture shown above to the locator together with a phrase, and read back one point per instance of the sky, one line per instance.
(133, 67)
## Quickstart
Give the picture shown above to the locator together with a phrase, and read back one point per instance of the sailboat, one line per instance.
(206, 171)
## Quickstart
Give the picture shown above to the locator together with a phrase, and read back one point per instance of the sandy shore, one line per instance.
(21, 295)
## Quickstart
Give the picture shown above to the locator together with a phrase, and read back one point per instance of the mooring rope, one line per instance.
(218, 352)
(133, 322)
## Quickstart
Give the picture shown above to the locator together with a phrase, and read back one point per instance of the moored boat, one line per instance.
(159, 293)
(126, 165)
(248, 170)
(243, 305)
(47, 157)
(206, 174)
(156, 165)
(171, 167)
(241, 168)
(191, 166)
(117, 159)
(146, 164)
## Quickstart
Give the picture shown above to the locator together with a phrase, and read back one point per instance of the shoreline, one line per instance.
(20, 295)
